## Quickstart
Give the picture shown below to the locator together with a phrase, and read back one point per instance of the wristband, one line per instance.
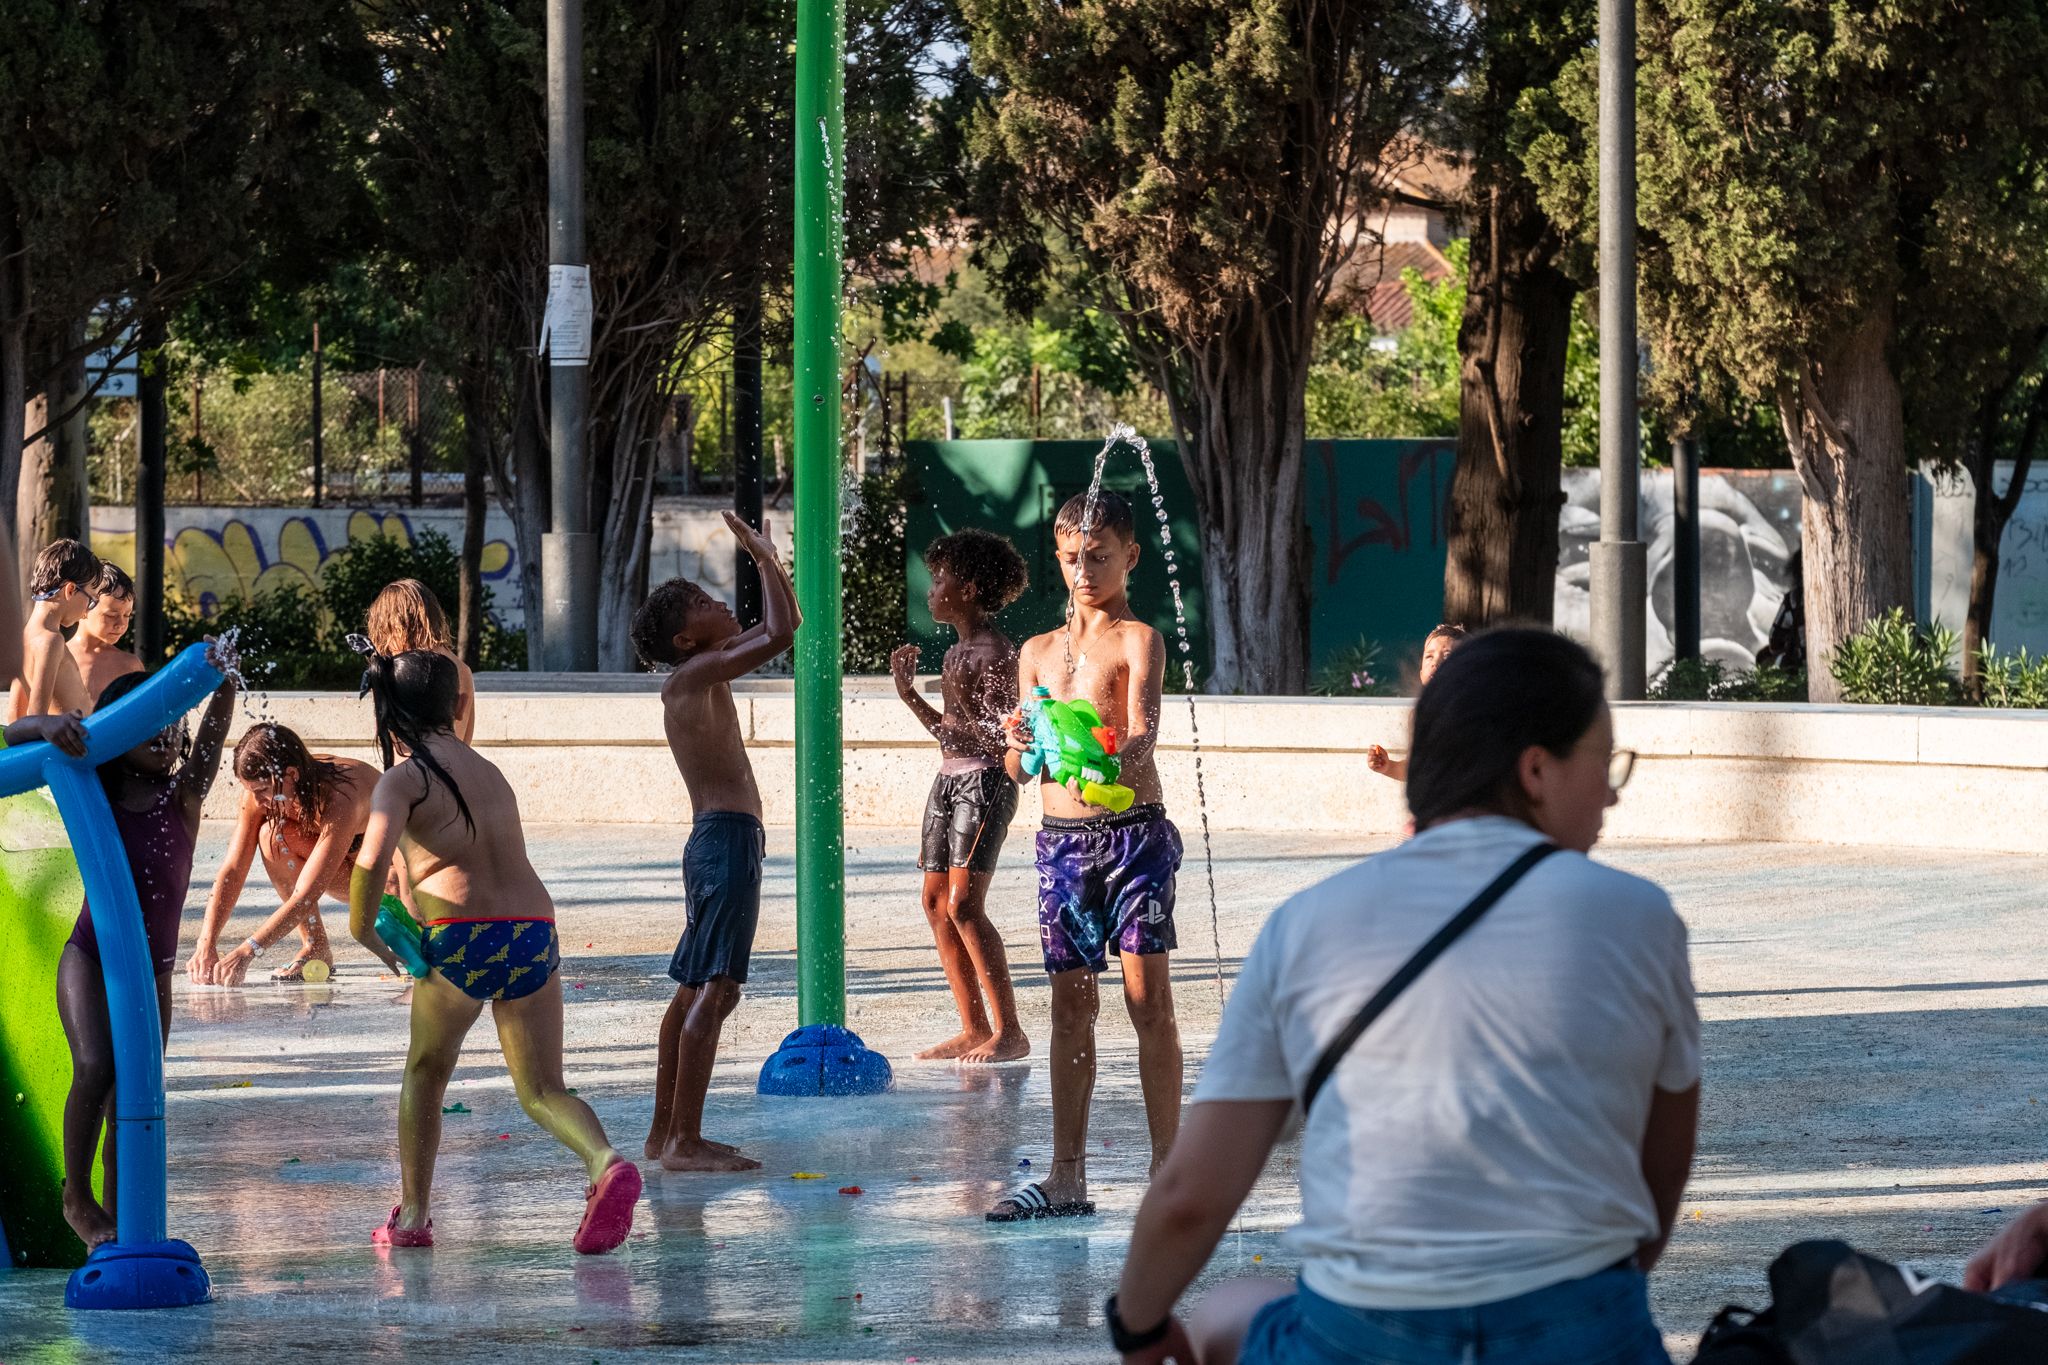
(1126, 1341)
(255, 949)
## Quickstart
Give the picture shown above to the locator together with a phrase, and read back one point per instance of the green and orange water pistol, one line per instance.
(1070, 744)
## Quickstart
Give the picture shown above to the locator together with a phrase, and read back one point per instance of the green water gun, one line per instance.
(401, 934)
(1069, 743)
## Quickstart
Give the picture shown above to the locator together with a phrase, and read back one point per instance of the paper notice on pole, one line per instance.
(565, 330)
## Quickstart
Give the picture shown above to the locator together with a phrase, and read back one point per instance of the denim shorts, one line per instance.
(1603, 1319)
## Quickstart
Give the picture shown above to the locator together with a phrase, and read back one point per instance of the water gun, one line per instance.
(401, 934)
(1069, 743)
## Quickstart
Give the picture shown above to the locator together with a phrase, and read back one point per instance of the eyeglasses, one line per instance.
(1621, 765)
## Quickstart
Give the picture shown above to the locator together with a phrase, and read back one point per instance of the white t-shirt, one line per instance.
(1483, 1138)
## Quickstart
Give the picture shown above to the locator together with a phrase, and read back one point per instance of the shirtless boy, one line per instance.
(974, 576)
(1105, 881)
(696, 637)
(96, 646)
(1435, 649)
(60, 594)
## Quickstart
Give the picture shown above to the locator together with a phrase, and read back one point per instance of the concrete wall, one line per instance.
(1901, 777)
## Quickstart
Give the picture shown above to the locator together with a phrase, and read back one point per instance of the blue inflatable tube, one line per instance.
(142, 1267)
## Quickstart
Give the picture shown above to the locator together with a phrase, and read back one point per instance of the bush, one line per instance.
(1893, 662)
(2017, 680)
(1353, 671)
(1709, 680)
(873, 589)
(298, 640)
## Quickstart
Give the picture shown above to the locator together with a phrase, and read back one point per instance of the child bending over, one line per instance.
(974, 576)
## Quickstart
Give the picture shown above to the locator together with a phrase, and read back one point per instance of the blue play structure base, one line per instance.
(825, 1059)
(149, 1275)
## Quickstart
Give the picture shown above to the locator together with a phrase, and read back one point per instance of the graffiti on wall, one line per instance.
(246, 556)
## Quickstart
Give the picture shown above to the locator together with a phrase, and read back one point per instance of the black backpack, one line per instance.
(1832, 1305)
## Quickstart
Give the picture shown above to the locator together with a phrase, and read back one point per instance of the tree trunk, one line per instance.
(1240, 427)
(1501, 524)
(628, 528)
(33, 520)
(151, 636)
(14, 316)
(476, 464)
(526, 499)
(1845, 424)
(1993, 509)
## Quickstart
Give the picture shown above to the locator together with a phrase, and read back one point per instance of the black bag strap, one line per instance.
(1414, 966)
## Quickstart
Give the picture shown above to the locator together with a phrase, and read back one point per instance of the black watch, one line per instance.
(1124, 1339)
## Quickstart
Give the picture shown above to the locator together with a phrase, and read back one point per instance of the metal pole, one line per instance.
(1685, 558)
(568, 552)
(1619, 562)
(820, 834)
(319, 448)
(746, 455)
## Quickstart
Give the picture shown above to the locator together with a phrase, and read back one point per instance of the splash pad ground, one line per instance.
(1872, 1036)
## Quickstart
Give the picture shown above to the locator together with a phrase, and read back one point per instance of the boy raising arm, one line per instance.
(1105, 881)
(700, 641)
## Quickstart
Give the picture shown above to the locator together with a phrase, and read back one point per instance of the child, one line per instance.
(156, 790)
(96, 645)
(1435, 649)
(1106, 881)
(60, 589)
(408, 616)
(490, 938)
(684, 628)
(974, 576)
(304, 814)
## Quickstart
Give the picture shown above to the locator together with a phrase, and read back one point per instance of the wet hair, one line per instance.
(986, 562)
(415, 694)
(113, 582)
(61, 562)
(1106, 511)
(1446, 631)
(1497, 695)
(267, 749)
(660, 619)
(407, 615)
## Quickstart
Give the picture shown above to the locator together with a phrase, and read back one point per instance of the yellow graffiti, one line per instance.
(204, 566)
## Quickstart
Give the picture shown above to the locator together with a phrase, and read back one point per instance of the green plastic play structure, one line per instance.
(40, 893)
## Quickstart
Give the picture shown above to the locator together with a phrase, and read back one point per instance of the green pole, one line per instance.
(820, 827)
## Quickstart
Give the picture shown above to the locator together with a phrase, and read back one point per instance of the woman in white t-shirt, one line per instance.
(1493, 1167)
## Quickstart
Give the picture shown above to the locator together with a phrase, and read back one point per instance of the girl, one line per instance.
(489, 939)
(407, 616)
(156, 790)
(1435, 649)
(305, 814)
(1494, 1165)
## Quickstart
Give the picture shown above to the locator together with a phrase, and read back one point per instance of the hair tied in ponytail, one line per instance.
(361, 645)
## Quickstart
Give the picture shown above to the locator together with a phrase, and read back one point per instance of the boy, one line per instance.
(700, 642)
(60, 594)
(1105, 881)
(96, 647)
(974, 576)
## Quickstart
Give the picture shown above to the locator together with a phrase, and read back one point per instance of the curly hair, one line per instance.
(661, 618)
(984, 561)
(407, 615)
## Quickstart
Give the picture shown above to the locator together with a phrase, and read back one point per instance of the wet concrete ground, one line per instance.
(1873, 1072)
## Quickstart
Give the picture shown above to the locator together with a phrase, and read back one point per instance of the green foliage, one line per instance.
(1709, 680)
(292, 638)
(2018, 680)
(1893, 662)
(1353, 671)
(872, 567)
(1364, 384)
